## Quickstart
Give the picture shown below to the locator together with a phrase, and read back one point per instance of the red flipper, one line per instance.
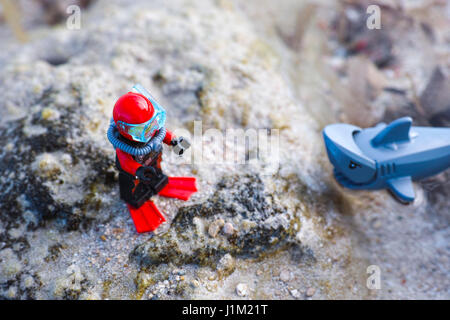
(146, 218)
(179, 187)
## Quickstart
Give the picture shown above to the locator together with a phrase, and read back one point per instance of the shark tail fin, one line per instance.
(397, 130)
(402, 188)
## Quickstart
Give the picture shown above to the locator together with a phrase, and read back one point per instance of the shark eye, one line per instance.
(353, 165)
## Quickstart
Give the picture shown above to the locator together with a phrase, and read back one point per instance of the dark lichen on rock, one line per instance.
(32, 162)
(49, 175)
(262, 226)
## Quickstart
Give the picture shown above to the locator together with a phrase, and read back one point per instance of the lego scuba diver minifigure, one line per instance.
(137, 132)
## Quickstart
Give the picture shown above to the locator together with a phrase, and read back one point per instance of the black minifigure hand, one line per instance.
(180, 144)
(145, 174)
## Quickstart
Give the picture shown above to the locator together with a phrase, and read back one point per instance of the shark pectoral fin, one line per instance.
(396, 131)
(402, 188)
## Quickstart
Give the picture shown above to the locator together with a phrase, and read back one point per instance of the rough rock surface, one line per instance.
(250, 232)
(262, 226)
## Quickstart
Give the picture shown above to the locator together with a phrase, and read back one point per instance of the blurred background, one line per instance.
(401, 68)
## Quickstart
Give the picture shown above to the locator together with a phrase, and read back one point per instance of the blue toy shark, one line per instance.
(387, 156)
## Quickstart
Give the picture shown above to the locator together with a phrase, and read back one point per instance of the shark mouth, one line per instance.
(344, 181)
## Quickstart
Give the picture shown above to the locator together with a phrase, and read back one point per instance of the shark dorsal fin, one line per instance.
(396, 131)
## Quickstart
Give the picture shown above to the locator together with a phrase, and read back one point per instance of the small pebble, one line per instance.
(241, 289)
(310, 292)
(211, 287)
(49, 114)
(228, 228)
(12, 292)
(214, 227)
(295, 293)
(376, 223)
(285, 275)
(226, 265)
(103, 237)
(28, 282)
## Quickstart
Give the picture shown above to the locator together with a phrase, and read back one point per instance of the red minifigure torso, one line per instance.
(131, 163)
